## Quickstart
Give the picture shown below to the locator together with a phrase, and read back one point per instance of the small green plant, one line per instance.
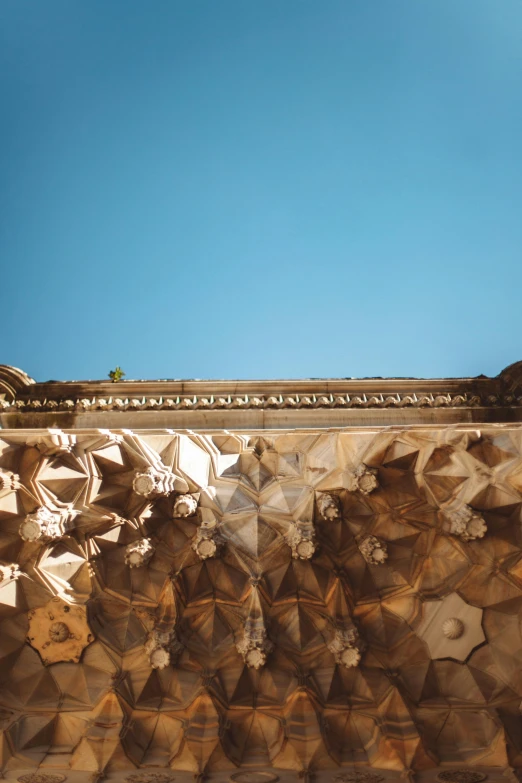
(116, 374)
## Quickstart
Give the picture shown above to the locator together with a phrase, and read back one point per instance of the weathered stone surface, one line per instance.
(330, 603)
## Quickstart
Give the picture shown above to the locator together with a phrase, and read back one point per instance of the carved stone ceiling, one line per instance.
(339, 606)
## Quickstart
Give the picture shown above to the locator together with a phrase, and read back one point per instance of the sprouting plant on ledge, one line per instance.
(116, 374)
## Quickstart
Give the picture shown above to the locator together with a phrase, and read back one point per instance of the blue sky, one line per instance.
(261, 188)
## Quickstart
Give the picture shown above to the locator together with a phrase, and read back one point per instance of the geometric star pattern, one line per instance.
(305, 662)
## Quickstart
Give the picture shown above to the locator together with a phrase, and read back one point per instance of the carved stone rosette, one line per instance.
(139, 553)
(208, 542)
(154, 482)
(255, 645)
(329, 507)
(43, 523)
(363, 479)
(162, 647)
(346, 647)
(466, 523)
(184, 506)
(9, 482)
(374, 551)
(301, 540)
(59, 632)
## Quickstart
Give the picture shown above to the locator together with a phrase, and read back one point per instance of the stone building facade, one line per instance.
(264, 581)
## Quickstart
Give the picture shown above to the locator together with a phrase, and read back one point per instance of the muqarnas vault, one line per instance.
(261, 581)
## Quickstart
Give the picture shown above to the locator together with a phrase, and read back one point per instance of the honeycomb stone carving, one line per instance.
(139, 553)
(434, 691)
(184, 506)
(301, 540)
(55, 442)
(329, 507)
(208, 542)
(44, 523)
(162, 647)
(466, 523)
(9, 482)
(346, 647)
(374, 551)
(59, 631)
(363, 479)
(154, 483)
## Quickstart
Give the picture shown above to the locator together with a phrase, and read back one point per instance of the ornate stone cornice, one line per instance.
(196, 404)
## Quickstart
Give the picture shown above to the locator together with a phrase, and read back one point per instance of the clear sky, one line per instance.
(260, 188)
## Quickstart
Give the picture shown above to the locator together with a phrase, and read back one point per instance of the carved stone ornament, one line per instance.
(374, 551)
(162, 647)
(207, 542)
(461, 776)
(150, 777)
(55, 442)
(8, 573)
(329, 507)
(44, 523)
(9, 482)
(363, 479)
(184, 506)
(451, 627)
(466, 523)
(139, 553)
(301, 540)
(59, 632)
(346, 647)
(153, 483)
(255, 644)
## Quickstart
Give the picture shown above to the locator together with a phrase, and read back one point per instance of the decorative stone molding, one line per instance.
(301, 540)
(346, 647)
(208, 542)
(287, 401)
(9, 482)
(154, 483)
(139, 553)
(59, 631)
(329, 507)
(363, 479)
(255, 645)
(374, 551)
(41, 777)
(13, 381)
(184, 506)
(466, 523)
(162, 647)
(44, 523)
